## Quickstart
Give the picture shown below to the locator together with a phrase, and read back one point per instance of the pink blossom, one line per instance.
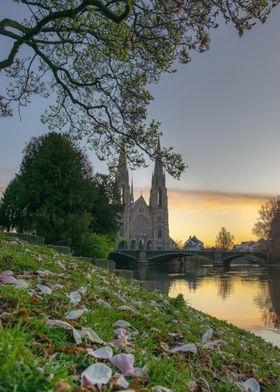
(124, 362)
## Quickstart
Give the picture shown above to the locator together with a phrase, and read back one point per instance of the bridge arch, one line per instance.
(166, 255)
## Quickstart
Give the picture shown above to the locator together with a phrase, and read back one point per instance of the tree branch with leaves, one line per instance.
(98, 58)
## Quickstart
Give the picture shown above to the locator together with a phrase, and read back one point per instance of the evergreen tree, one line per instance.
(105, 211)
(56, 194)
(12, 206)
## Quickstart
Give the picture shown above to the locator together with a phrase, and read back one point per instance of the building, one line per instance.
(144, 226)
(247, 246)
(193, 243)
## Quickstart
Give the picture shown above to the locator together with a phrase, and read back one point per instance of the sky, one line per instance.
(221, 112)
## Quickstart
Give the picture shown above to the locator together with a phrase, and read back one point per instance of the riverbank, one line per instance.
(56, 311)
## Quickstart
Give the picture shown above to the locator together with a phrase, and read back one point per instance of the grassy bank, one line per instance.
(40, 354)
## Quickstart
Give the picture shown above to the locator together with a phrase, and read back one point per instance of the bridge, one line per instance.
(216, 256)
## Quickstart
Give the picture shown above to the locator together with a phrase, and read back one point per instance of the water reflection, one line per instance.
(244, 294)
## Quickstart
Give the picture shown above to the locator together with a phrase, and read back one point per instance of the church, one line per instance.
(142, 225)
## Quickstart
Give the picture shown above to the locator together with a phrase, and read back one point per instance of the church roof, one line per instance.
(140, 201)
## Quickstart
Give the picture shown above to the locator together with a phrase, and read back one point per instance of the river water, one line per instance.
(246, 295)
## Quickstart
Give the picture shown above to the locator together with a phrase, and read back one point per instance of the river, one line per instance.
(246, 295)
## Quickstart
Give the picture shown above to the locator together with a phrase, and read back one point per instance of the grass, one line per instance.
(36, 357)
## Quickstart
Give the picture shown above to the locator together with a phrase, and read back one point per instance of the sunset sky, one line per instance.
(221, 112)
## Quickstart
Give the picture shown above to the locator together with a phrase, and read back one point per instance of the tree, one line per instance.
(100, 56)
(105, 211)
(267, 212)
(224, 239)
(54, 193)
(98, 246)
(12, 206)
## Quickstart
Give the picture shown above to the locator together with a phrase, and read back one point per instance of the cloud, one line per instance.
(203, 212)
(217, 201)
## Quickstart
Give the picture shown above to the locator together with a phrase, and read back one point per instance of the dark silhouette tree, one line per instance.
(267, 212)
(224, 239)
(100, 56)
(55, 195)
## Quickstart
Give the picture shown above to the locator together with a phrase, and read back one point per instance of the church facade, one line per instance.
(142, 225)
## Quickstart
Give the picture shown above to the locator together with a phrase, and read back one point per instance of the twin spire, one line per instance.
(158, 172)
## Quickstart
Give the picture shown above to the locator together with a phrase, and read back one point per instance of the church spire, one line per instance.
(122, 157)
(158, 145)
(158, 169)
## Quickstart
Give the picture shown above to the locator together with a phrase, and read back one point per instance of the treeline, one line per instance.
(56, 195)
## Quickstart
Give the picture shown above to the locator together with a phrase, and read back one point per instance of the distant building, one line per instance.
(193, 243)
(247, 246)
(142, 225)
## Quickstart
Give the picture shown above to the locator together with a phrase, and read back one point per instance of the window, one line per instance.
(122, 194)
(159, 197)
(159, 232)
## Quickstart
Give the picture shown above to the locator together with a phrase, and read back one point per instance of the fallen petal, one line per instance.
(190, 347)
(59, 324)
(104, 303)
(122, 324)
(124, 362)
(251, 385)
(96, 374)
(44, 289)
(75, 297)
(77, 336)
(44, 273)
(214, 344)
(21, 284)
(101, 353)
(87, 332)
(120, 332)
(121, 381)
(74, 314)
(138, 372)
(57, 286)
(208, 335)
(127, 308)
(7, 272)
(60, 264)
(159, 388)
(7, 278)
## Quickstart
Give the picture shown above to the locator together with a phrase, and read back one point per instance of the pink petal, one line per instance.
(120, 332)
(7, 278)
(124, 362)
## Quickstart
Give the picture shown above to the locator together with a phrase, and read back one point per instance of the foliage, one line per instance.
(36, 357)
(224, 239)
(55, 195)
(98, 246)
(12, 206)
(106, 210)
(266, 214)
(99, 58)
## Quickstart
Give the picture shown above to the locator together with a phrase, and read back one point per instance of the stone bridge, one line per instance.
(217, 257)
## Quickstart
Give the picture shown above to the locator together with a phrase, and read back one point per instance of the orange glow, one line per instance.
(240, 308)
(203, 213)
